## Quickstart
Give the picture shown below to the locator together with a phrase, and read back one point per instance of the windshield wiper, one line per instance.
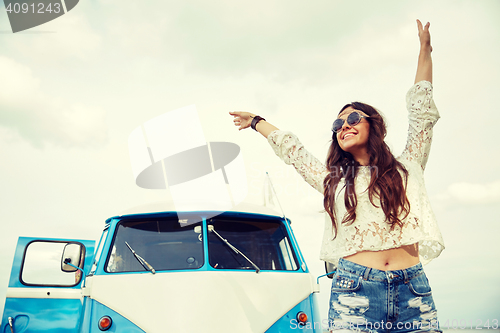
(143, 262)
(212, 229)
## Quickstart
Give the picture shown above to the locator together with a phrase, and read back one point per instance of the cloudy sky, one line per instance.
(72, 90)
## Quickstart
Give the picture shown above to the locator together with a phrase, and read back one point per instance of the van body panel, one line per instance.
(289, 322)
(37, 298)
(94, 310)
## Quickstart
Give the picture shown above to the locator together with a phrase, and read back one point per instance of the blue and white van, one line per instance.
(155, 270)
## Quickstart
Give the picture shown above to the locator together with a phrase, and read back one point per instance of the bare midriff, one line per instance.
(387, 260)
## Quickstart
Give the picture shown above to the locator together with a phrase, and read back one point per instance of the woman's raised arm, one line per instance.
(244, 120)
(424, 67)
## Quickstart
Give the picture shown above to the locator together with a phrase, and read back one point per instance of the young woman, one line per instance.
(381, 227)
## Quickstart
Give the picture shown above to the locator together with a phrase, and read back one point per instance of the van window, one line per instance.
(265, 243)
(98, 253)
(165, 244)
(42, 265)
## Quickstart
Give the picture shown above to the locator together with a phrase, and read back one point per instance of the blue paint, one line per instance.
(32, 314)
(289, 323)
(95, 310)
(62, 315)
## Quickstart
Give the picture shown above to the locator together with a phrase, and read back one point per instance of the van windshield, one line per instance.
(166, 244)
(242, 243)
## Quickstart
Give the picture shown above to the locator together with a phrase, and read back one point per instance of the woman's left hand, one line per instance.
(424, 67)
(424, 35)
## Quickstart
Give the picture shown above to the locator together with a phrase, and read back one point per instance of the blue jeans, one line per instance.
(371, 300)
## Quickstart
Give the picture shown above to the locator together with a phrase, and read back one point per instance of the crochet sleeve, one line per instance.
(288, 147)
(422, 116)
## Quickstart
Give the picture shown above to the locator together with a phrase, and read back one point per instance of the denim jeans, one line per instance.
(370, 300)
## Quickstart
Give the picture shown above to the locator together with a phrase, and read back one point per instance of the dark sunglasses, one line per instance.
(353, 119)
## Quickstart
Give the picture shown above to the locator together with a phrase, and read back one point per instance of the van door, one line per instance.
(41, 296)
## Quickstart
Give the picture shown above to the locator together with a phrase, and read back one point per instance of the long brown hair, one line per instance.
(389, 177)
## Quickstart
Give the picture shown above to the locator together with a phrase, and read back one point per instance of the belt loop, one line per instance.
(405, 274)
(367, 272)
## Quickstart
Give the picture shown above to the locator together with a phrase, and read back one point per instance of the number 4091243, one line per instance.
(39, 8)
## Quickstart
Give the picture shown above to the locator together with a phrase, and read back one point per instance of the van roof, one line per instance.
(169, 206)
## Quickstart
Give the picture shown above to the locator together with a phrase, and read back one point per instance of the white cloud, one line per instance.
(41, 118)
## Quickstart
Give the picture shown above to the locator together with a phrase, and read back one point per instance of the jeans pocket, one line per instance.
(344, 282)
(419, 286)
(348, 299)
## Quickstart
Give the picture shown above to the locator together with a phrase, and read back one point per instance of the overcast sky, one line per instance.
(72, 90)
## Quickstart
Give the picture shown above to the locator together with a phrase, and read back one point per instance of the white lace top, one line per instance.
(370, 232)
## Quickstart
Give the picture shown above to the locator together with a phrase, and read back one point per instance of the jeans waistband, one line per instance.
(369, 273)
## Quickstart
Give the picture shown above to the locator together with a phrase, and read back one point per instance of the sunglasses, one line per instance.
(353, 119)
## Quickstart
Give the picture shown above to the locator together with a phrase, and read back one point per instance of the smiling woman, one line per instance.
(384, 229)
(353, 133)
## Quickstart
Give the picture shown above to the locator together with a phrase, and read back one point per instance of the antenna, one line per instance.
(275, 194)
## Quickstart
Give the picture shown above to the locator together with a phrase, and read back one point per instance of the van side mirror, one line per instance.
(72, 254)
(330, 269)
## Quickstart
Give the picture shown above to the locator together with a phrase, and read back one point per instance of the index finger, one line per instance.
(419, 25)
